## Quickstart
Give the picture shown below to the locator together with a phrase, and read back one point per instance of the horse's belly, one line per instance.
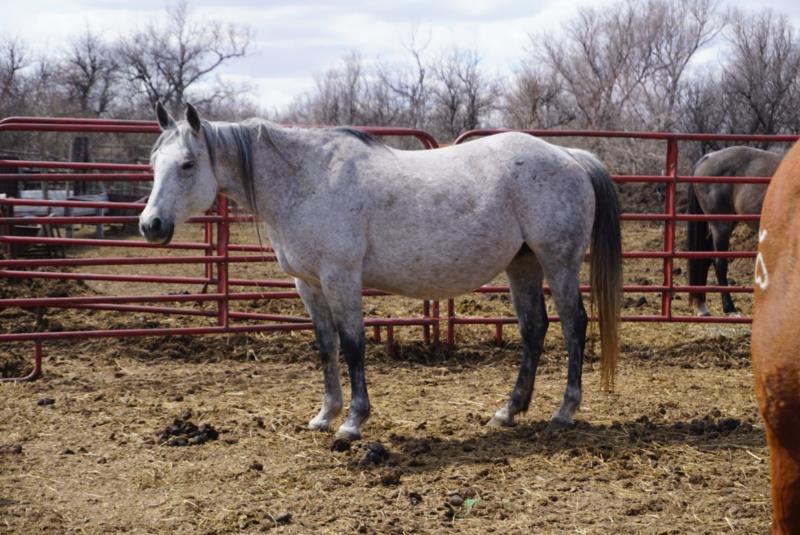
(439, 274)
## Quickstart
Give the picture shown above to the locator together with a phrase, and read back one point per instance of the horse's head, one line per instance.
(184, 183)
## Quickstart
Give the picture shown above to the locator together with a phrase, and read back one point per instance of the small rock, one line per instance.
(177, 397)
(186, 415)
(45, 401)
(455, 500)
(415, 498)
(67, 451)
(258, 467)
(102, 460)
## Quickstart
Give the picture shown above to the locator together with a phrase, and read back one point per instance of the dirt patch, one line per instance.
(677, 448)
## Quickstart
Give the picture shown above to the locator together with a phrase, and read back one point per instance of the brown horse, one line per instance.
(723, 198)
(775, 342)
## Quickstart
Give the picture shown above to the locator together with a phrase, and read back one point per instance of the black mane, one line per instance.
(362, 136)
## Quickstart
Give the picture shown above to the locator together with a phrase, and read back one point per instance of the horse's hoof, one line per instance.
(501, 422)
(558, 424)
(347, 434)
(702, 311)
(734, 314)
(319, 424)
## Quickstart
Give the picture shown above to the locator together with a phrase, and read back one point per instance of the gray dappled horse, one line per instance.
(723, 198)
(343, 212)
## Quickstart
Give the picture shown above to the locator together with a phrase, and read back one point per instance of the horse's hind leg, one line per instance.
(565, 289)
(327, 340)
(721, 234)
(525, 277)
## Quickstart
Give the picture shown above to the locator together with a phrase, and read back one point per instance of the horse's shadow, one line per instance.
(618, 441)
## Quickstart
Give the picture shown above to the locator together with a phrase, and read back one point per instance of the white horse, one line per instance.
(343, 211)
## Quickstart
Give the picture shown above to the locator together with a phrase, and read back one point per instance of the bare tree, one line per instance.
(762, 76)
(89, 74)
(409, 83)
(536, 99)
(462, 95)
(166, 60)
(676, 31)
(623, 66)
(13, 59)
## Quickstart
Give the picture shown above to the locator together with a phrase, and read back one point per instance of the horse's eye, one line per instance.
(187, 165)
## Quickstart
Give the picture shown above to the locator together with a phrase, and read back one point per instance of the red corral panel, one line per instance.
(215, 253)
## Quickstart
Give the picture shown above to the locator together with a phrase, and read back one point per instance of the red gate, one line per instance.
(670, 178)
(216, 254)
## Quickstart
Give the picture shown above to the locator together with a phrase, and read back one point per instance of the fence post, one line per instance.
(669, 226)
(223, 237)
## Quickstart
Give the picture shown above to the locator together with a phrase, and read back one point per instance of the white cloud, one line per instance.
(293, 41)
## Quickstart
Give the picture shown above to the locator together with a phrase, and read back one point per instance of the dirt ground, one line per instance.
(677, 447)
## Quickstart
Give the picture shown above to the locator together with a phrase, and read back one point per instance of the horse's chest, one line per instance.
(300, 262)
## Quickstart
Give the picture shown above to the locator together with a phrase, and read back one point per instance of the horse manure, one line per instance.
(10, 449)
(376, 454)
(258, 467)
(390, 477)
(183, 432)
(283, 519)
(341, 445)
(45, 401)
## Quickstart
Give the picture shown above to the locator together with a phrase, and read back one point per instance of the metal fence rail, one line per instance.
(216, 253)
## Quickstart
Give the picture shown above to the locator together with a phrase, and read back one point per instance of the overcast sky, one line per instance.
(296, 40)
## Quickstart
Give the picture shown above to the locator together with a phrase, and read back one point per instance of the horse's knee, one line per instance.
(779, 399)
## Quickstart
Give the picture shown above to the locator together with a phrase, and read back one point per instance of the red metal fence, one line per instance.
(216, 254)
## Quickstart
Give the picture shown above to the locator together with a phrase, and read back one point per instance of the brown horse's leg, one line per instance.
(779, 400)
(785, 470)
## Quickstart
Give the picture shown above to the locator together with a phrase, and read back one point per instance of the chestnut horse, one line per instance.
(775, 342)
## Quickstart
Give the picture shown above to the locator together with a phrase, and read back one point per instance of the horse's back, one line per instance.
(775, 340)
(446, 221)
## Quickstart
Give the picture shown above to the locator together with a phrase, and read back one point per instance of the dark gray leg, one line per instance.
(721, 235)
(566, 293)
(525, 277)
(328, 342)
(343, 293)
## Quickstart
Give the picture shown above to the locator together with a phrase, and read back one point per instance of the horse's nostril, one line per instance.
(155, 226)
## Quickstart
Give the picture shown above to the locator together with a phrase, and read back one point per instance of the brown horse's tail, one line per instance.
(606, 265)
(698, 238)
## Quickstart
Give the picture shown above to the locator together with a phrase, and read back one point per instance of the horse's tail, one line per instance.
(606, 264)
(698, 238)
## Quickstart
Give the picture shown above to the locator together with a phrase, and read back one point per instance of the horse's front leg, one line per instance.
(328, 342)
(342, 290)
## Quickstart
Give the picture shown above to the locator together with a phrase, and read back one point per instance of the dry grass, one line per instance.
(678, 448)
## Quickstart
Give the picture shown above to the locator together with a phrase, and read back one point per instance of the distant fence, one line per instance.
(216, 253)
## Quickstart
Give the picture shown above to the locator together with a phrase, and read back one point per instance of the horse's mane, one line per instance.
(238, 139)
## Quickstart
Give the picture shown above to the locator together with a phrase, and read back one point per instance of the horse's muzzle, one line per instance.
(157, 230)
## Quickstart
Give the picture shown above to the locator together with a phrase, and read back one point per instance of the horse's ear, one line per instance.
(192, 117)
(165, 121)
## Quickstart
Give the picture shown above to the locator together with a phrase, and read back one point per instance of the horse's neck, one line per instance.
(285, 161)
